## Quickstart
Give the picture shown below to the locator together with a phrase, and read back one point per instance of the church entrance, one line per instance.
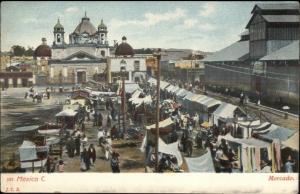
(81, 77)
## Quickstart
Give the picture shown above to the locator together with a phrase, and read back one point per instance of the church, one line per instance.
(84, 56)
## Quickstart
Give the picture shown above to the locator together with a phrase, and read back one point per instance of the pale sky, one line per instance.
(206, 26)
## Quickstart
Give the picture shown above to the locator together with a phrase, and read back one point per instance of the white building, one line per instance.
(125, 61)
(84, 56)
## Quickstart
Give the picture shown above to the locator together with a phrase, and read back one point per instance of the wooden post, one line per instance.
(123, 105)
(157, 109)
(32, 166)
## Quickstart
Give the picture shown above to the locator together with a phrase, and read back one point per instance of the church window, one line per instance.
(58, 37)
(103, 53)
(123, 65)
(136, 65)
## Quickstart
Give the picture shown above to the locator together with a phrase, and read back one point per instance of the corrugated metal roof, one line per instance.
(230, 53)
(289, 52)
(245, 32)
(278, 6)
(281, 18)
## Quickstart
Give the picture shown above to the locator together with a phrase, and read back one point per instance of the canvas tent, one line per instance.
(138, 101)
(274, 132)
(27, 151)
(78, 101)
(182, 93)
(176, 88)
(169, 88)
(151, 80)
(67, 117)
(187, 100)
(162, 124)
(203, 163)
(163, 84)
(26, 128)
(165, 126)
(131, 87)
(135, 94)
(249, 152)
(171, 149)
(207, 102)
(73, 107)
(66, 113)
(224, 113)
(292, 142)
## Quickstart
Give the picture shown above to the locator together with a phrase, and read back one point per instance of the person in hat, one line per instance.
(219, 154)
(231, 155)
(92, 154)
(85, 158)
(115, 162)
(61, 166)
(77, 145)
(289, 165)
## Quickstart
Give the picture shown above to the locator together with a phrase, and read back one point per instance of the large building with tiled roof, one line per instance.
(264, 63)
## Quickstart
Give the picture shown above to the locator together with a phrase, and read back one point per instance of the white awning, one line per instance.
(79, 101)
(152, 81)
(163, 85)
(66, 113)
(27, 151)
(27, 128)
(203, 99)
(196, 97)
(136, 94)
(212, 102)
(36, 164)
(175, 89)
(98, 93)
(71, 107)
(139, 101)
(225, 110)
(202, 163)
(189, 95)
(162, 124)
(131, 87)
(292, 142)
(170, 88)
(262, 126)
(171, 149)
(255, 123)
(249, 142)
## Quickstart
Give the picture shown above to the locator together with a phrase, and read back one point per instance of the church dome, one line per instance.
(43, 50)
(85, 26)
(124, 49)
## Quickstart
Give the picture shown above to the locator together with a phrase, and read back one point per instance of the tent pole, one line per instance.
(157, 108)
(32, 166)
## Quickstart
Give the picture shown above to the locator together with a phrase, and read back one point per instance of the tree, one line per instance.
(18, 50)
(29, 51)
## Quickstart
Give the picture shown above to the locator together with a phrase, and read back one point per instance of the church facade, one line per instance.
(84, 56)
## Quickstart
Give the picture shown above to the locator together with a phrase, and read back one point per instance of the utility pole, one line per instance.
(158, 55)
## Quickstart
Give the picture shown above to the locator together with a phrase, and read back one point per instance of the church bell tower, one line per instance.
(58, 34)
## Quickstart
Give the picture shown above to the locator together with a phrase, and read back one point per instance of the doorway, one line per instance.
(15, 82)
(24, 83)
(81, 77)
